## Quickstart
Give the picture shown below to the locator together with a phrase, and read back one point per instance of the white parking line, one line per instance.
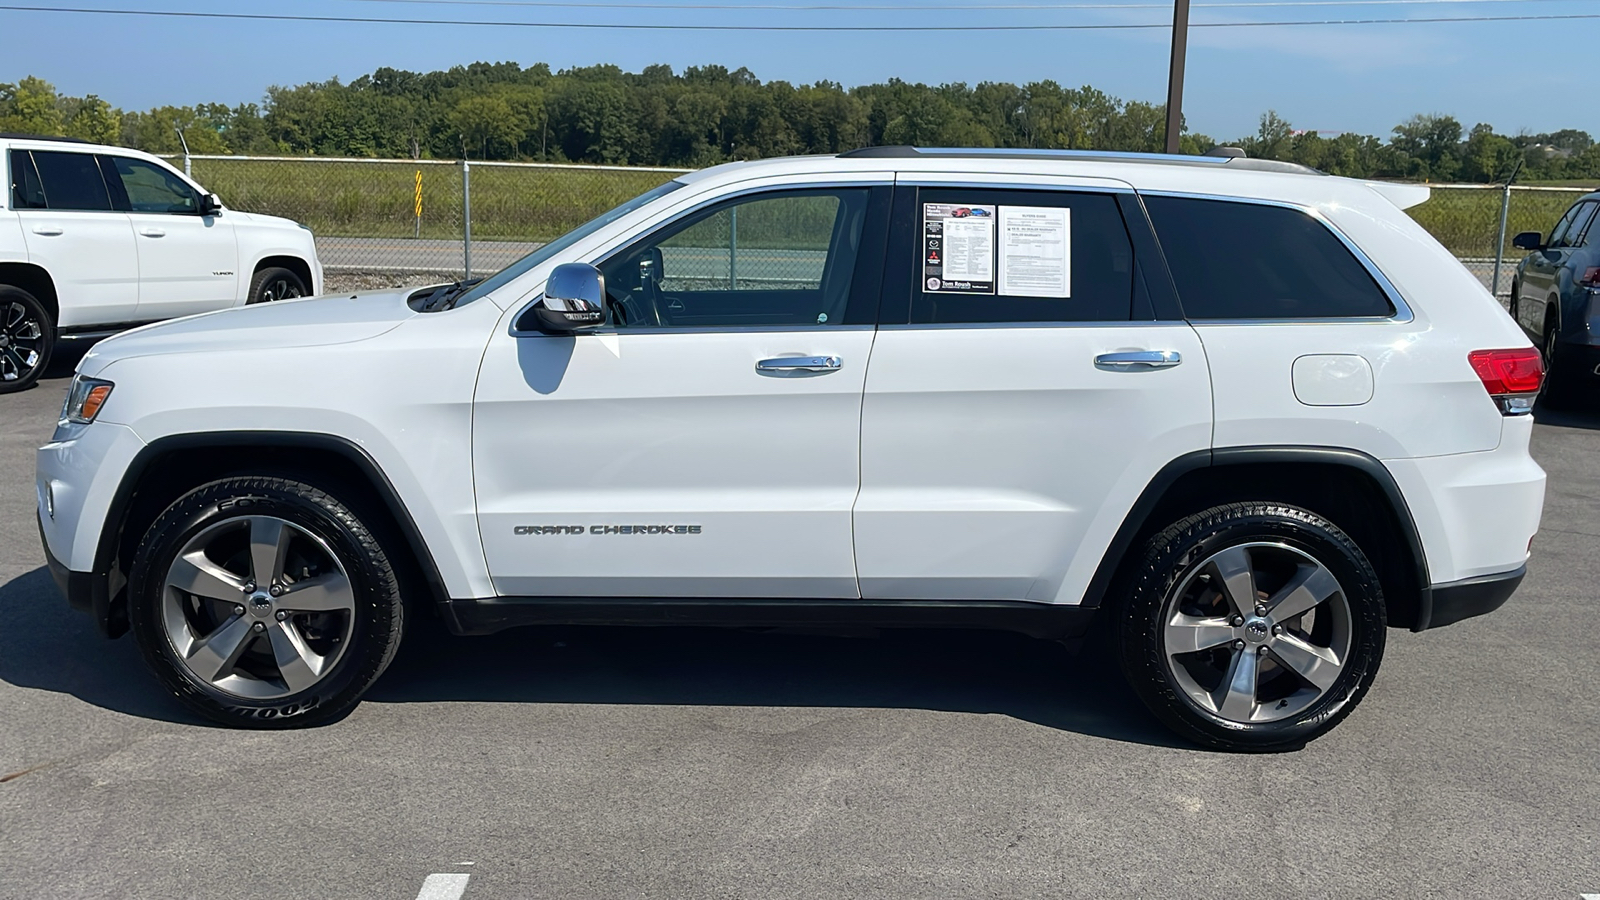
(1589, 897)
(443, 887)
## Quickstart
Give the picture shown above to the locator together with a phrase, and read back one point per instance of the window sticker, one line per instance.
(957, 248)
(1036, 251)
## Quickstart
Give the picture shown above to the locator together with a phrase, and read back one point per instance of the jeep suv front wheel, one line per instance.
(264, 602)
(1252, 626)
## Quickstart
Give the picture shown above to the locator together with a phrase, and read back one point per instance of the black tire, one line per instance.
(1171, 567)
(1556, 392)
(276, 284)
(27, 339)
(374, 623)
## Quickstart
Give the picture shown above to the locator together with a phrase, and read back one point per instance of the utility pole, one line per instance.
(1180, 43)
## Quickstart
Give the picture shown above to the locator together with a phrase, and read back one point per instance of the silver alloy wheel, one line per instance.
(279, 289)
(1256, 633)
(20, 334)
(258, 607)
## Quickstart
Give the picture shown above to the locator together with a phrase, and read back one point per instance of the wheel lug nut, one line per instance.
(1261, 610)
(277, 590)
(1238, 645)
(1236, 621)
(238, 610)
(249, 587)
(282, 615)
(1262, 651)
(259, 626)
(1277, 629)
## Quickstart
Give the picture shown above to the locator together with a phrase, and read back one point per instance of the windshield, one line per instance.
(548, 251)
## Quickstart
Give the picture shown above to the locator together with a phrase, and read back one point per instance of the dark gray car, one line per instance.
(1555, 297)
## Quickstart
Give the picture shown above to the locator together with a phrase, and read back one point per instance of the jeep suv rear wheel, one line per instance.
(1252, 626)
(264, 602)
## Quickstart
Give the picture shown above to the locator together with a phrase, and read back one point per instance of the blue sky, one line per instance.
(1364, 78)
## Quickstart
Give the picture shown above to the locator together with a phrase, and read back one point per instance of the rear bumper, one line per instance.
(1447, 604)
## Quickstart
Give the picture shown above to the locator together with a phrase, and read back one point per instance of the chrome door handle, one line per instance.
(1138, 359)
(152, 232)
(807, 363)
(47, 230)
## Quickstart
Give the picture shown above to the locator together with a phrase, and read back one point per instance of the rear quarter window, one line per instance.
(1238, 260)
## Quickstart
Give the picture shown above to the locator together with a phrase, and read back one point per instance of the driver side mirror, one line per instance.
(210, 205)
(574, 300)
(1528, 240)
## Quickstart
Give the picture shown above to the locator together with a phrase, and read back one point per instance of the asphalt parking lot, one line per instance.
(609, 763)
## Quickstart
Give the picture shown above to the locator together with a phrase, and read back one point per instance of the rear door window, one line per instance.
(1240, 260)
(26, 191)
(1018, 256)
(72, 181)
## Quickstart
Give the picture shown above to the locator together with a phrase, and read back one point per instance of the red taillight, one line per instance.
(1506, 372)
(1591, 277)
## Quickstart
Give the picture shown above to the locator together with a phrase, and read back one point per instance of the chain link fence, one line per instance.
(391, 223)
(1476, 222)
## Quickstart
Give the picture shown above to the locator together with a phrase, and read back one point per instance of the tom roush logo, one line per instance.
(605, 529)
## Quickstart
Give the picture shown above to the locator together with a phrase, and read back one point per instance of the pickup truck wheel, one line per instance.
(26, 338)
(1252, 626)
(275, 284)
(264, 603)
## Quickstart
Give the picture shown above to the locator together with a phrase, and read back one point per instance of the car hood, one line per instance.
(261, 220)
(312, 322)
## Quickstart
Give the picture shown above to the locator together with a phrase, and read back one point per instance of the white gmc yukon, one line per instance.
(1248, 415)
(97, 239)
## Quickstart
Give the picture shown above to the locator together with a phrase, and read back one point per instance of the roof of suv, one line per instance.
(1224, 175)
(1231, 157)
(13, 136)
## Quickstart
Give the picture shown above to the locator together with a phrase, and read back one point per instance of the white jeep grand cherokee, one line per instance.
(1248, 414)
(96, 239)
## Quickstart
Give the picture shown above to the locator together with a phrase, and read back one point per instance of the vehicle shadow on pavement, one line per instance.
(47, 645)
(951, 671)
(1586, 418)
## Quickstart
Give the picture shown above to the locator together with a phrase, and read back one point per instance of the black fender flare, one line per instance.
(112, 620)
(1156, 489)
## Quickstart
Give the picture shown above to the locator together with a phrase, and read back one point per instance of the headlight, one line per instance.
(85, 400)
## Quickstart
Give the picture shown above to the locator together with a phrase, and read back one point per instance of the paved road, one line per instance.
(578, 763)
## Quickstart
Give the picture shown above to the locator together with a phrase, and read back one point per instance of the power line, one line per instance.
(952, 7)
(633, 26)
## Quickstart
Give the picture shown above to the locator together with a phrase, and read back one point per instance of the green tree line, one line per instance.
(709, 114)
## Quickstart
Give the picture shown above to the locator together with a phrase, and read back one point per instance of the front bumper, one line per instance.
(1447, 604)
(77, 587)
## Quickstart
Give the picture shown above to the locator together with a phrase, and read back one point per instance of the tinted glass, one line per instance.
(26, 192)
(153, 189)
(72, 181)
(1558, 234)
(1020, 256)
(1249, 261)
(1591, 231)
(1574, 234)
(776, 259)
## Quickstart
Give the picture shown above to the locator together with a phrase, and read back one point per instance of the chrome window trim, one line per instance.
(1402, 310)
(709, 329)
(986, 326)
